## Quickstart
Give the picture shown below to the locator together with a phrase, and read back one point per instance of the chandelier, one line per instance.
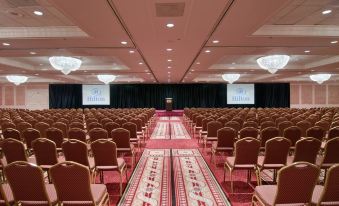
(106, 78)
(230, 78)
(320, 78)
(273, 63)
(17, 80)
(65, 64)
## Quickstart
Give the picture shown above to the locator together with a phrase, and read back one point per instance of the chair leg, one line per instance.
(231, 178)
(120, 174)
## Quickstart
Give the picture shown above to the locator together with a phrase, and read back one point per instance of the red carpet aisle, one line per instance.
(150, 182)
(169, 128)
(194, 181)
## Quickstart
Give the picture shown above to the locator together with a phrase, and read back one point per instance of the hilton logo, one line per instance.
(95, 96)
(240, 95)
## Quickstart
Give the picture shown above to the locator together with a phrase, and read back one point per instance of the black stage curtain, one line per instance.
(184, 95)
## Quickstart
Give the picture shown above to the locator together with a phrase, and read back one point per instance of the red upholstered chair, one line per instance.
(76, 151)
(225, 141)
(6, 125)
(234, 125)
(29, 135)
(304, 125)
(212, 130)
(133, 137)
(328, 194)
(76, 125)
(266, 124)
(250, 124)
(246, 157)
(331, 154)
(283, 125)
(276, 152)
(93, 125)
(333, 133)
(267, 134)
(306, 150)
(97, 133)
(72, 182)
(41, 127)
(11, 133)
(292, 133)
(248, 132)
(120, 121)
(78, 134)
(296, 183)
(316, 132)
(203, 131)
(121, 138)
(324, 124)
(22, 126)
(55, 135)
(27, 184)
(63, 127)
(106, 159)
(14, 150)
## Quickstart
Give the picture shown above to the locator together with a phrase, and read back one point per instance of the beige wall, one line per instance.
(314, 95)
(34, 96)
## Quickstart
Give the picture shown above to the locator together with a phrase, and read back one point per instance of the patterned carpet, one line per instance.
(168, 174)
(169, 128)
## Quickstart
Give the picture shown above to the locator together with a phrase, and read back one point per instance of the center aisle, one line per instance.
(175, 171)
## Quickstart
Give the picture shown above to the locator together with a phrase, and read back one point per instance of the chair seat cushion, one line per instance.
(268, 166)
(230, 161)
(216, 148)
(99, 191)
(121, 163)
(266, 193)
(51, 194)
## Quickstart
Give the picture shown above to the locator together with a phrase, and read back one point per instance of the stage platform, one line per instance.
(162, 113)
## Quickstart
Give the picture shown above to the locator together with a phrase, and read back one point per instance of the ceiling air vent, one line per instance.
(22, 3)
(170, 9)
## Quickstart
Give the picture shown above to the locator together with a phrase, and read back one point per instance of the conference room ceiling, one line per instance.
(208, 39)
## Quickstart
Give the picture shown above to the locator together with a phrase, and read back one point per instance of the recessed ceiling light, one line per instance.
(215, 41)
(334, 42)
(307, 51)
(312, 70)
(36, 74)
(233, 62)
(32, 52)
(169, 60)
(198, 63)
(252, 70)
(148, 73)
(231, 67)
(170, 25)
(131, 51)
(169, 49)
(168, 72)
(85, 71)
(207, 51)
(141, 63)
(169, 67)
(146, 70)
(192, 70)
(326, 11)
(6, 44)
(38, 13)
(124, 42)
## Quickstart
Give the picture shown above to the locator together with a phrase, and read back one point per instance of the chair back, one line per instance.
(109, 126)
(76, 125)
(267, 134)
(104, 152)
(292, 133)
(250, 124)
(248, 132)
(72, 182)
(55, 135)
(97, 133)
(226, 137)
(205, 121)
(283, 125)
(27, 182)
(333, 133)
(132, 128)
(29, 135)
(14, 150)
(121, 137)
(45, 151)
(306, 150)
(6, 125)
(120, 121)
(304, 125)
(76, 133)
(212, 128)
(63, 127)
(42, 127)
(316, 132)
(331, 154)
(93, 125)
(11, 133)
(222, 120)
(324, 124)
(266, 124)
(296, 183)
(22, 126)
(276, 150)
(246, 151)
(136, 121)
(331, 187)
(76, 151)
(234, 125)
